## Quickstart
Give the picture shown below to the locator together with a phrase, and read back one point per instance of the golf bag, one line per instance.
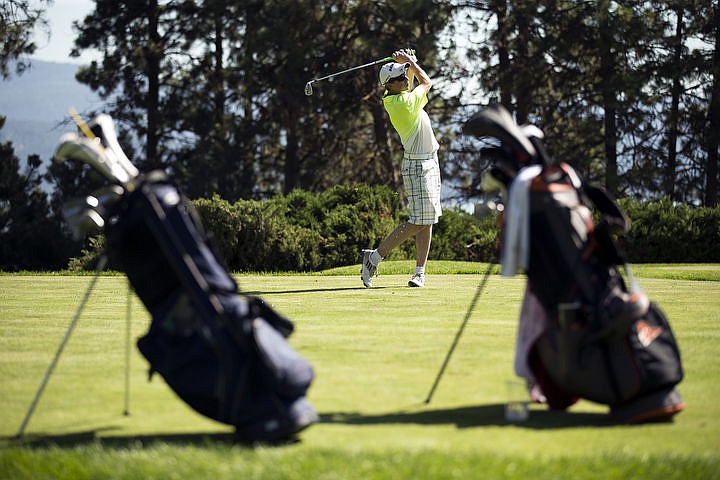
(224, 354)
(594, 337)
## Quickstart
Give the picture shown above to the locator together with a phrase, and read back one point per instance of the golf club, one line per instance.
(104, 129)
(308, 85)
(462, 327)
(87, 151)
(98, 148)
(87, 214)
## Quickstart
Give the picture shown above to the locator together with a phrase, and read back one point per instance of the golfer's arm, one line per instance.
(423, 79)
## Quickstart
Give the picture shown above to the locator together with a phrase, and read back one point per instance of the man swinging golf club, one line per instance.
(420, 168)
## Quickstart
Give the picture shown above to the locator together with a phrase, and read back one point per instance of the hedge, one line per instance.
(306, 232)
(300, 231)
(666, 232)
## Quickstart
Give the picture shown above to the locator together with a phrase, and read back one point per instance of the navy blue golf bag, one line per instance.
(598, 338)
(224, 354)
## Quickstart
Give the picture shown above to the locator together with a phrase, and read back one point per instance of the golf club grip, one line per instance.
(81, 124)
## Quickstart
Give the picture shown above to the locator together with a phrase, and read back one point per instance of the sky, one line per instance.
(60, 16)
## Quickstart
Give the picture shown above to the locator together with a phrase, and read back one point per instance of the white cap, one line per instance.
(392, 70)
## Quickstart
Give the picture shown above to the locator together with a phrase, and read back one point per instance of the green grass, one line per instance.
(376, 353)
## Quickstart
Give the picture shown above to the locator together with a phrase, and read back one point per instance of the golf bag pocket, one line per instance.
(610, 369)
(174, 348)
(233, 374)
(288, 372)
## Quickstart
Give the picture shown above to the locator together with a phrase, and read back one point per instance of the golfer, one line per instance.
(420, 168)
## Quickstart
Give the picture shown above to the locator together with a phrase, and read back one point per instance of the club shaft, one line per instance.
(81, 124)
(386, 59)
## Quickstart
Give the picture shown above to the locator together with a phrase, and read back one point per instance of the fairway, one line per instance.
(376, 353)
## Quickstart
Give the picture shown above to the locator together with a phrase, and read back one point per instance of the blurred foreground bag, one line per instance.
(224, 354)
(583, 333)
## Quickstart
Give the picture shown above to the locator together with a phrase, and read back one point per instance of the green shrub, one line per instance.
(300, 231)
(665, 232)
(461, 236)
(89, 257)
(305, 231)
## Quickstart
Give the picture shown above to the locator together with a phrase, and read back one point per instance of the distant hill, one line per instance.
(36, 105)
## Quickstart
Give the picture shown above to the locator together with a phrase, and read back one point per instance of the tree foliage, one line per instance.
(31, 237)
(214, 88)
(625, 91)
(19, 20)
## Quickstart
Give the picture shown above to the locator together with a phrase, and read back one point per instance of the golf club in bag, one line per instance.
(583, 333)
(224, 354)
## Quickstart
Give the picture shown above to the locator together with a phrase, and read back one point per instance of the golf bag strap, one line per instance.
(601, 199)
(613, 221)
(571, 183)
(206, 301)
(597, 196)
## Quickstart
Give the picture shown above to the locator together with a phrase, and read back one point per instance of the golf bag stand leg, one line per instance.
(100, 266)
(479, 290)
(126, 410)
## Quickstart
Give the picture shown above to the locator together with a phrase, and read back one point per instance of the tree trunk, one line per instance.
(673, 120)
(292, 163)
(522, 82)
(219, 73)
(713, 132)
(609, 99)
(153, 52)
(503, 50)
(381, 127)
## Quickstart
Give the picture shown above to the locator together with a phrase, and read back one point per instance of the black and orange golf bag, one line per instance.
(600, 338)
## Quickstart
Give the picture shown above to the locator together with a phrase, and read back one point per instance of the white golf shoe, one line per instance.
(368, 269)
(417, 280)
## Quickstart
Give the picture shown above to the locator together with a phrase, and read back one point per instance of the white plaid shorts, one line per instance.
(421, 178)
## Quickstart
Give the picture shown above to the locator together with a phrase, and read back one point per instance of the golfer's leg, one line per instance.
(399, 235)
(422, 244)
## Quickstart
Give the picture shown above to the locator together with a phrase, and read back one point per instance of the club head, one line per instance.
(86, 223)
(495, 121)
(86, 151)
(308, 88)
(82, 216)
(88, 214)
(107, 196)
(104, 128)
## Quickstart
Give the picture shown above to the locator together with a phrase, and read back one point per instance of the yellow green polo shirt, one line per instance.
(410, 120)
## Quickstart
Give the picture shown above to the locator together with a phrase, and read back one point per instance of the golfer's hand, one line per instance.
(402, 56)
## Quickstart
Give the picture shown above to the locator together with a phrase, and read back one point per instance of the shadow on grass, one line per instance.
(474, 416)
(259, 293)
(94, 437)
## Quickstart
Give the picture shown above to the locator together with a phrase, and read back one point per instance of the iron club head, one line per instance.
(308, 88)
